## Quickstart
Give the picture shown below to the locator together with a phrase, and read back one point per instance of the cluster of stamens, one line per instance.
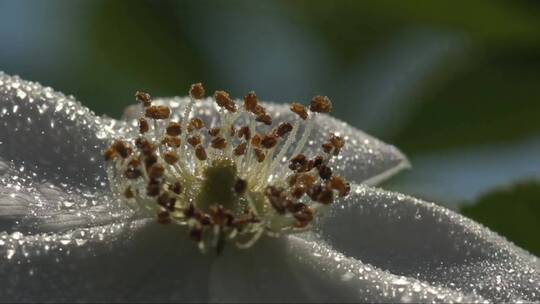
(227, 181)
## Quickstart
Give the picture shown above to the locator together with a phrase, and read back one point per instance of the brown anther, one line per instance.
(269, 140)
(300, 110)
(150, 160)
(143, 125)
(153, 188)
(264, 118)
(305, 179)
(174, 129)
(109, 154)
(303, 216)
(189, 212)
(135, 162)
(132, 173)
(298, 191)
(339, 184)
(170, 157)
(128, 193)
(293, 179)
(200, 153)
(320, 104)
(163, 217)
(256, 140)
(172, 141)
(298, 163)
(218, 143)
(194, 140)
(259, 154)
(244, 132)
(250, 102)
(240, 149)
(176, 188)
(277, 199)
(283, 129)
(326, 197)
(122, 148)
(143, 98)
(325, 172)
(156, 171)
(337, 142)
(224, 101)
(167, 202)
(240, 186)
(144, 145)
(205, 220)
(327, 147)
(317, 161)
(214, 131)
(157, 112)
(195, 123)
(196, 91)
(259, 110)
(314, 192)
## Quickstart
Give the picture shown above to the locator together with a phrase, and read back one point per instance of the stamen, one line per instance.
(240, 189)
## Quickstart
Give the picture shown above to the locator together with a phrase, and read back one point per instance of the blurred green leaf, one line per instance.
(493, 99)
(513, 213)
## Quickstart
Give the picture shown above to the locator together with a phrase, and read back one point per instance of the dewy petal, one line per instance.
(137, 262)
(364, 159)
(51, 164)
(51, 134)
(421, 240)
(294, 269)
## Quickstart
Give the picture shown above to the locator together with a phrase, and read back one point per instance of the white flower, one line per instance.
(66, 236)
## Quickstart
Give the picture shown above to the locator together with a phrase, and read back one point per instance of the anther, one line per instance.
(132, 173)
(244, 132)
(195, 123)
(196, 91)
(172, 141)
(122, 148)
(300, 110)
(163, 217)
(250, 102)
(269, 141)
(174, 129)
(240, 149)
(283, 129)
(143, 98)
(194, 140)
(176, 188)
(320, 104)
(339, 184)
(256, 140)
(200, 153)
(157, 112)
(153, 188)
(325, 172)
(143, 125)
(264, 118)
(109, 154)
(214, 131)
(165, 201)
(128, 193)
(240, 186)
(156, 171)
(224, 101)
(170, 157)
(218, 143)
(259, 154)
(144, 145)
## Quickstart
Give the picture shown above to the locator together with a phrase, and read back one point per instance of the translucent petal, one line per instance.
(141, 262)
(415, 239)
(306, 269)
(51, 134)
(364, 159)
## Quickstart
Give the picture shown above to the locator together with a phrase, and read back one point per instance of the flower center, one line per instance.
(234, 180)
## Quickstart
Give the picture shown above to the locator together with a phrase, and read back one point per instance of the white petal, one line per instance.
(142, 262)
(305, 269)
(415, 239)
(51, 134)
(364, 159)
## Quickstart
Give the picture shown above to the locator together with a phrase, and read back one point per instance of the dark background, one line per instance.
(454, 84)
